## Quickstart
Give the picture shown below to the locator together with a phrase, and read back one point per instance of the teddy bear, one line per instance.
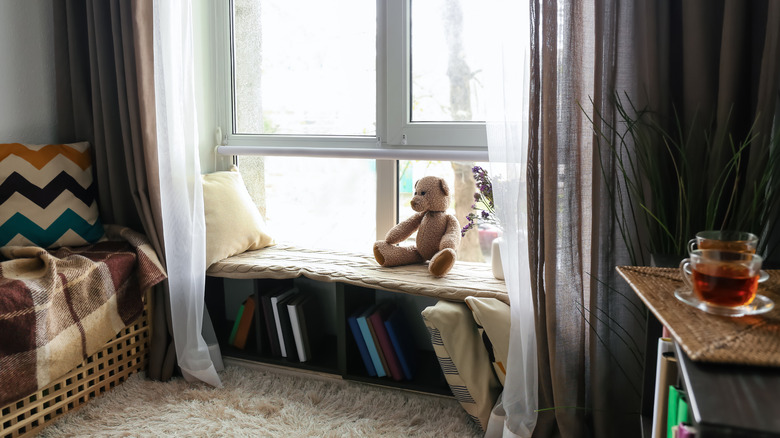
(438, 233)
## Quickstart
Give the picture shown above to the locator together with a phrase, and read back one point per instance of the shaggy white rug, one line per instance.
(264, 403)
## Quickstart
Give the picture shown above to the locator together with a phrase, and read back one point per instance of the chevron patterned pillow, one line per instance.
(47, 196)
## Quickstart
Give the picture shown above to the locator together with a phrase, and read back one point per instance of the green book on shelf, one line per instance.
(233, 332)
(682, 411)
(671, 412)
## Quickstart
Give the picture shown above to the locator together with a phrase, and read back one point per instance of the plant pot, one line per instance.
(495, 258)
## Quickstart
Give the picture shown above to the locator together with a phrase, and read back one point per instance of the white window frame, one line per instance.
(397, 138)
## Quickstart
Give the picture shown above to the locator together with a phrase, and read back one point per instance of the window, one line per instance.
(349, 79)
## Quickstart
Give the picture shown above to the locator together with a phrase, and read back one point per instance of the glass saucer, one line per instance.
(763, 276)
(759, 305)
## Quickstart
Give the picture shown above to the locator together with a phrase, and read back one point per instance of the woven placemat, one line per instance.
(285, 261)
(747, 340)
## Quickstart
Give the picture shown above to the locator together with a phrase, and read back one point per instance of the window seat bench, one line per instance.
(286, 262)
(359, 283)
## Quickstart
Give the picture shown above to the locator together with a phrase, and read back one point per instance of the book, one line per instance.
(671, 418)
(270, 321)
(274, 306)
(377, 321)
(287, 342)
(398, 330)
(245, 324)
(682, 410)
(258, 323)
(361, 343)
(685, 431)
(379, 351)
(298, 323)
(236, 323)
(665, 375)
(369, 340)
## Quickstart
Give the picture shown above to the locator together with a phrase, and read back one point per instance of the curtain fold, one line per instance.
(707, 60)
(507, 133)
(181, 192)
(581, 52)
(105, 65)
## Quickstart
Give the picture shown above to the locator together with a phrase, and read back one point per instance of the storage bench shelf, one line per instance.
(358, 281)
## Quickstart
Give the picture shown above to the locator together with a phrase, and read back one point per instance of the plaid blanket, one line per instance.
(60, 306)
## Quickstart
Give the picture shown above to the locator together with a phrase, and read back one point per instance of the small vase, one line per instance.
(495, 258)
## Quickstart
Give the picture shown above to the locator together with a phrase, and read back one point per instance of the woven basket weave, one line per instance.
(124, 355)
(747, 340)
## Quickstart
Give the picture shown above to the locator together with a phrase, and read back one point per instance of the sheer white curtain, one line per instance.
(507, 129)
(180, 185)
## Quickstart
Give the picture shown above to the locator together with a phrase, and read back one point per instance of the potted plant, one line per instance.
(485, 216)
(674, 182)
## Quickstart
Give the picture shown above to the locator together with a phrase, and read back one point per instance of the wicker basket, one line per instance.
(121, 357)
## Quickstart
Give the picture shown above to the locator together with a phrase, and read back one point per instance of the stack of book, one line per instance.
(281, 321)
(382, 336)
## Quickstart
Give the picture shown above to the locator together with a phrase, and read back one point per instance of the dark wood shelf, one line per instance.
(324, 357)
(428, 376)
(335, 354)
(731, 400)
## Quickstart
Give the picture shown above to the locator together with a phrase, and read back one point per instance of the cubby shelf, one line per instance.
(337, 352)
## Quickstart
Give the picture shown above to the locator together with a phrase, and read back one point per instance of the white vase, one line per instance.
(495, 258)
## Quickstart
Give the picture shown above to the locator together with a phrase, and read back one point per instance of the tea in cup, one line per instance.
(722, 278)
(739, 241)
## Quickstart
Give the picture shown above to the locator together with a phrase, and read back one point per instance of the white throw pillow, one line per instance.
(233, 222)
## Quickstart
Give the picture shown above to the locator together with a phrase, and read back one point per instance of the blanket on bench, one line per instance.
(58, 307)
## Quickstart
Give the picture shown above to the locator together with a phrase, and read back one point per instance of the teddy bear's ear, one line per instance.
(444, 187)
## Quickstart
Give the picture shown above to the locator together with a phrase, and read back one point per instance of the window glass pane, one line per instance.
(320, 203)
(475, 244)
(448, 55)
(304, 67)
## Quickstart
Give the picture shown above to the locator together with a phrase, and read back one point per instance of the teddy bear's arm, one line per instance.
(451, 237)
(404, 229)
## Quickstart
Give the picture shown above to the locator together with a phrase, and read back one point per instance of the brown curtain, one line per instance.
(696, 55)
(105, 94)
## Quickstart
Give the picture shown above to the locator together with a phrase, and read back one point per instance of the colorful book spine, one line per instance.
(369, 340)
(671, 417)
(361, 343)
(403, 344)
(247, 316)
(378, 324)
(237, 322)
(379, 351)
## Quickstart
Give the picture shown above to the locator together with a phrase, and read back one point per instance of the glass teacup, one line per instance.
(722, 278)
(724, 240)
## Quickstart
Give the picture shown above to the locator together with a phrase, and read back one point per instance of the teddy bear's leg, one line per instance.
(392, 255)
(442, 262)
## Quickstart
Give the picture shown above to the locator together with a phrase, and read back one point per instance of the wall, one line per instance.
(27, 101)
(205, 85)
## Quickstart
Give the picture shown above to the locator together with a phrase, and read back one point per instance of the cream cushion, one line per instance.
(233, 222)
(494, 318)
(463, 358)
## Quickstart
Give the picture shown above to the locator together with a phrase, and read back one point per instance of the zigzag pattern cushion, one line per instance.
(463, 358)
(47, 196)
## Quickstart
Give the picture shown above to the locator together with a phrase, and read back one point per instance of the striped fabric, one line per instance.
(463, 359)
(47, 196)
